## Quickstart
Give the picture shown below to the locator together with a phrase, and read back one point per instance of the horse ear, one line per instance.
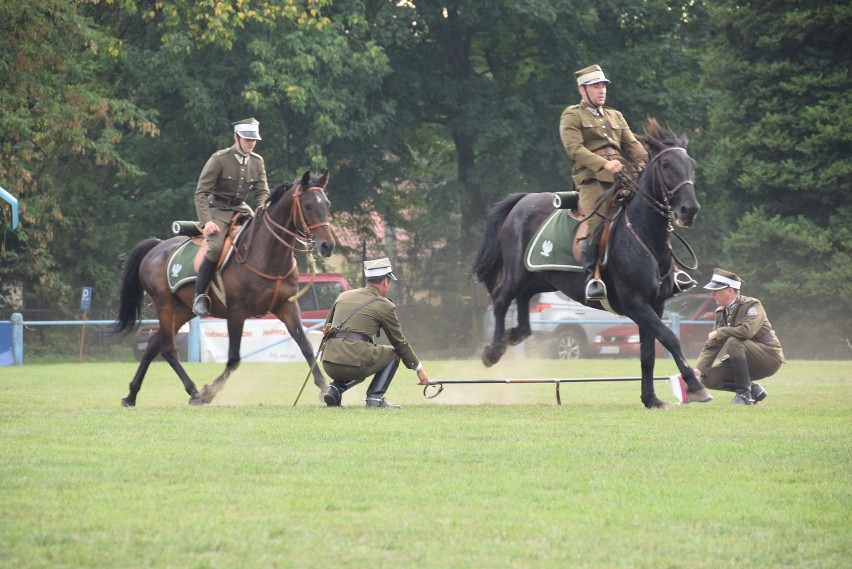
(323, 181)
(306, 179)
(683, 141)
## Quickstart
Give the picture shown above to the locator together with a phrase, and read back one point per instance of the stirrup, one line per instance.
(201, 305)
(599, 296)
(685, 282)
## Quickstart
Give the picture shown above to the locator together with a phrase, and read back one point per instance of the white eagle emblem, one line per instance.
(752, 311)
(546, 248)
(176, 268)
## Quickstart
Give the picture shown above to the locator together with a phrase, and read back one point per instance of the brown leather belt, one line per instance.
(353, 336)
(607, 151)
(766, 338)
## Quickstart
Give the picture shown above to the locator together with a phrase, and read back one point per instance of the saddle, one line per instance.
(182, 267)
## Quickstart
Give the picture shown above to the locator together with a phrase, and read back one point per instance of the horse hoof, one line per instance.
(197, 401)
(698, 396)
(128, 403)
(656, 403)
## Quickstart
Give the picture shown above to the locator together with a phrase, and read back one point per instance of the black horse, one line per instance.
(639, 274)
(261, 277)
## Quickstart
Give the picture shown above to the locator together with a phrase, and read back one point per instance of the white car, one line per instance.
(562, 328)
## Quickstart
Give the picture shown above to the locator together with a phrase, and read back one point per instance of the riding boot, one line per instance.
(201, 303)
(379, 385)
(333, 394)
(742, 381)
(595, 288)
(683, 282)
(758, 393)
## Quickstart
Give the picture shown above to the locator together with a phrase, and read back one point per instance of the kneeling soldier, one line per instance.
(743, 341)
(350, 355)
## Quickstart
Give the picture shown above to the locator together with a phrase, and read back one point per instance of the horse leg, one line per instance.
(235, 336)
(148, 356)
(695, 390)
(522, 331)
(647, 358)
(492, 353)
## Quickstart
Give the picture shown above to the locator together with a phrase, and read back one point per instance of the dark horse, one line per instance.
(260, 277)
(639, 274)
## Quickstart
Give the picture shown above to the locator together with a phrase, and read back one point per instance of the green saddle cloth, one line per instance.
(179, 268)
(551, 248)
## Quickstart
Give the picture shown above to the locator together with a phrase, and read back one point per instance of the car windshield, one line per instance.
(320, 296)
(683, 306)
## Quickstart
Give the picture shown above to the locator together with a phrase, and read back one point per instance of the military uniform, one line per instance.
(350, 354)
(349, 358)
(592, 136)
(743, 341)
(227, 179)
(742, 329)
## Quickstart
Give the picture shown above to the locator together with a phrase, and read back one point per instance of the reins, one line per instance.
(304, 237)
(660, 205)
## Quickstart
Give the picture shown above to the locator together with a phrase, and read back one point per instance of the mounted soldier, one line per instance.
(229, 177)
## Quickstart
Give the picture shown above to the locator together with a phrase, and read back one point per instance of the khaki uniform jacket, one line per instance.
(223, 176)
(747, 322)
(583, 132)
(368, 320)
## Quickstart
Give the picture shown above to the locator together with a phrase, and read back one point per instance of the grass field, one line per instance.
(481, 476)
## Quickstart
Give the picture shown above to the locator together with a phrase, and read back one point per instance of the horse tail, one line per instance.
(132, 293)
(488, 264)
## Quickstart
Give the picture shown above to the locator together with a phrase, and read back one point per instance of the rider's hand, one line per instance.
(613, 166)
(210, 228)
(421, 375)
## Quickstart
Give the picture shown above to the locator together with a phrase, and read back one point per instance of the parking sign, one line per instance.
(86, 299)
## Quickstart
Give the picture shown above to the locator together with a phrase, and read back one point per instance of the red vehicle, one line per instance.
(696, 314)
(315, 304)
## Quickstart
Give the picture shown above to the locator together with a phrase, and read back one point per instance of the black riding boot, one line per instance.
(333, 394)
(757, 392)
(595, 288)
(201, 303)
(379, 385)
(742, 381)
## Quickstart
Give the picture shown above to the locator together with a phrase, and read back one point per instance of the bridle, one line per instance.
(658, 199)
(305, 235)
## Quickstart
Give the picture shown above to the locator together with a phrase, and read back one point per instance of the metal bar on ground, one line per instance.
(440, 383)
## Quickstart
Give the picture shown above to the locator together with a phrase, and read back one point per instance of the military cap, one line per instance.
(590, 75)
(248, 128)
(723, 279)
(378, 268)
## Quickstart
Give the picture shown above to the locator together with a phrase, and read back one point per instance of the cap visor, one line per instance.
(392, 276)
(713, 285)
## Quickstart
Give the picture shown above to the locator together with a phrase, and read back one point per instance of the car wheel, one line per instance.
(568, 345)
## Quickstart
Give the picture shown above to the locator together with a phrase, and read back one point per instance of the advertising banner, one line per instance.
(264, 340)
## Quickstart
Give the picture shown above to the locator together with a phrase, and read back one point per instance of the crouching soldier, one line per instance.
(350, 355)
(742, 343)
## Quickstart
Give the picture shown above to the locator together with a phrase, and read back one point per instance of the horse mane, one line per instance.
(279, 191)
(657, 137)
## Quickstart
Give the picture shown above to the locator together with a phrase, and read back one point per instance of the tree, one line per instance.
(781, 159)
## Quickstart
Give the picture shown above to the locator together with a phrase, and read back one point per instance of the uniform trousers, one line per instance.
(343, 372)
(761, 359)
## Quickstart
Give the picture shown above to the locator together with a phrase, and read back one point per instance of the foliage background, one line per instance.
(425, 113)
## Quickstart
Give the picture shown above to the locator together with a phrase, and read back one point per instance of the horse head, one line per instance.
(672, 172)
(311, 198)
(303, 206)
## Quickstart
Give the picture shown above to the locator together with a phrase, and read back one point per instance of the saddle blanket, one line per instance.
(551, 248)
(179, 268)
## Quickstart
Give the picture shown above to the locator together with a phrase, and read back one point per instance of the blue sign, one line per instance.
(86, 299)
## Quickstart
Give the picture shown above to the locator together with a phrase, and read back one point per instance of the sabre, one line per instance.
(440, 383)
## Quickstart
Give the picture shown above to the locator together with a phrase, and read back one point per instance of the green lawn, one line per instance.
(481, 476)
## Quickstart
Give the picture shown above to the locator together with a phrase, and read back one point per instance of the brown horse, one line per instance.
(260, 277)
